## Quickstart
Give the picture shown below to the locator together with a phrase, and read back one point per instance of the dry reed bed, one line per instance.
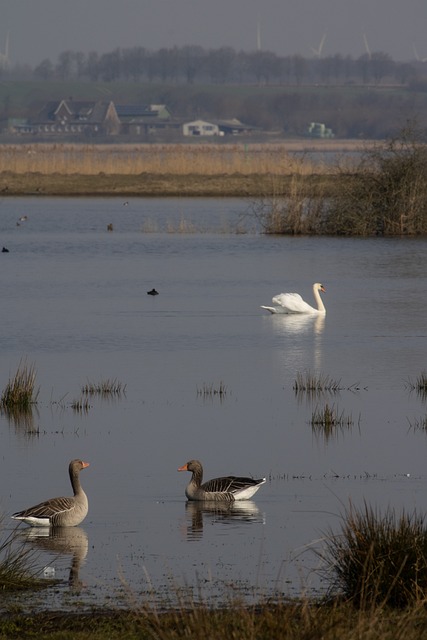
(174, 159)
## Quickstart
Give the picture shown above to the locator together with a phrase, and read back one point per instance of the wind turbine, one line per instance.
(4, 57)
(368, 51)
(417, 57)
(258, 37)
(318, 52)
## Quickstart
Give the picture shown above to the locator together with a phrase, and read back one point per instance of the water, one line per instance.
(74, 304)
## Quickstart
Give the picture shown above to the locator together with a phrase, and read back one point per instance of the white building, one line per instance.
(200, 128)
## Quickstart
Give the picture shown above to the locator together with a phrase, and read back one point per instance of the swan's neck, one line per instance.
(319, 301)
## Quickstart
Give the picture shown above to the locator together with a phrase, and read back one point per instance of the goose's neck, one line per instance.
(197, 477)
(319, 301)
(75, 482)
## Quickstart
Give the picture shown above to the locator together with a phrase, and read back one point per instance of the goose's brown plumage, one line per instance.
(228, 488)
(60, 512)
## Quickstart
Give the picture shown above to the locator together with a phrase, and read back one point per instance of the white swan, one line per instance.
(293, 303)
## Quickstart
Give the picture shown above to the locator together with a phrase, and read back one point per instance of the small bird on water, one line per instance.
(153, 292)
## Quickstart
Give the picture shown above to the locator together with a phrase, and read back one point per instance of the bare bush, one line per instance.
(387, 195)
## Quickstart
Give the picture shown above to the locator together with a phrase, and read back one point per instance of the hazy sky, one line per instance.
(40, 29)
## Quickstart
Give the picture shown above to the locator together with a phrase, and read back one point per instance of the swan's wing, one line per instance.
(293, 303)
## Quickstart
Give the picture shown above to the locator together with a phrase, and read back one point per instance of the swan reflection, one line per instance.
(214, 512)
(61, 541)
(300, 335)
(285, 324)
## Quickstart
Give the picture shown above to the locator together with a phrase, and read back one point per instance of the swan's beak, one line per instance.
(322, 288)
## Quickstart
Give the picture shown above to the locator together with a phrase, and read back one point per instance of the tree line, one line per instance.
(194, 64)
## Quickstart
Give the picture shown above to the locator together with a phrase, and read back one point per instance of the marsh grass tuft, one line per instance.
(379, 559)
(20, 392)
(419, 384)
(110, 386)
(329, 421)
(419, 424)
(81, 405)
(312, 383)
(210, 390)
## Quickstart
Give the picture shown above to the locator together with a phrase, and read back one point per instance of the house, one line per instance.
(76, 117)
(141, 119)
(200, 128)
(234, 127)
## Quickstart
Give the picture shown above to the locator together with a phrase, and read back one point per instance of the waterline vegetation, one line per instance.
(108, 386)
(20, 392)
(378, 560)
(18, 569)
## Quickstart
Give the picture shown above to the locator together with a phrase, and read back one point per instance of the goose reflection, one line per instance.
(219, 512)
(62, 541)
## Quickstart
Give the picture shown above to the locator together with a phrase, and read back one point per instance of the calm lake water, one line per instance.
(74, 304)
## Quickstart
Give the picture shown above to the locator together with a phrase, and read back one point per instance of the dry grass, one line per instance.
(174, 159)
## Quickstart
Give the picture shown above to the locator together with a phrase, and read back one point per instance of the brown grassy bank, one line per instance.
(147, 184)
(170, 170)
(298, 621)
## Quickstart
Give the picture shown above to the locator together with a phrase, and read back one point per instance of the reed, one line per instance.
(138, 159)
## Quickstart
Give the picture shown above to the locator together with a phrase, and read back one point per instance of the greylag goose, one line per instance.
(228, 488)
(60, 512)
(293, 303)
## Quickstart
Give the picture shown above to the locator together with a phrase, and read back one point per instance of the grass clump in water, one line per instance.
(81, 405)
(379, 559)
(419, 424)
(312, 383)
(20, 392)
(419, 384)
(110, 386)
(210, 390)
